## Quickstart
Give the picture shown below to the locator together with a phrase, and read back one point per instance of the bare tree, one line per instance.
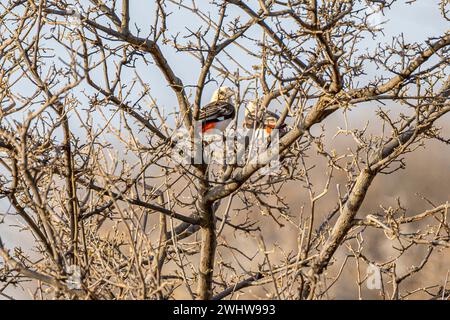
(93, 95)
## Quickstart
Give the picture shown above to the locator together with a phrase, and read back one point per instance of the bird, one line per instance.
(219, 113)
(258, 118)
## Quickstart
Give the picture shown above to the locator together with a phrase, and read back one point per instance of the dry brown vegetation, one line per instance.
(91, 96)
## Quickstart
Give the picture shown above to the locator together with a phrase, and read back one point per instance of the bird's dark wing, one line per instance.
(271, 115)
(216, 110)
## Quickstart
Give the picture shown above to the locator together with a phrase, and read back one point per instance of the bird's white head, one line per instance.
(251, 107)
(222, 94)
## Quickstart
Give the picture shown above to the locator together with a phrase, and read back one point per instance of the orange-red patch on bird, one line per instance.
(269, 128)
(208, 126)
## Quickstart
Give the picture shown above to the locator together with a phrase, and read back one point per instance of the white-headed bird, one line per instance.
(218, 114)
(257, 117)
